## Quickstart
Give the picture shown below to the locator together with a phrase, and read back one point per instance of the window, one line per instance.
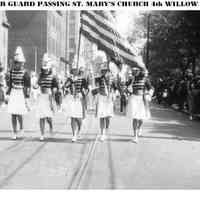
(72, 43)
(72, 29)
(72, 14)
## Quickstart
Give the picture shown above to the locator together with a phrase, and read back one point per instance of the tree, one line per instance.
(173, 36)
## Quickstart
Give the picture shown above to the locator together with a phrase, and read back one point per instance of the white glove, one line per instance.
(7, 97)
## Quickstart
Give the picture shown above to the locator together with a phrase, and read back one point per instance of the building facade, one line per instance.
(4, 26)
(38, 32)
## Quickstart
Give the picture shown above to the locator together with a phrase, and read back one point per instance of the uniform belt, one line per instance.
(18, 87)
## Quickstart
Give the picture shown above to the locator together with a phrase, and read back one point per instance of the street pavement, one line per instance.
(166, 157)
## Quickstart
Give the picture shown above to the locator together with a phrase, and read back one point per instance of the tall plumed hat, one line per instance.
(19, 55)
(104, 66)
(46, 61)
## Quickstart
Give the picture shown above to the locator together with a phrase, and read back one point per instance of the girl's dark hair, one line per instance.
(141, 74)
(45, 72)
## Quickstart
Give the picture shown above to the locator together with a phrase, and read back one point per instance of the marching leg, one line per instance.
(103, 127)
(135, 122)
(14, 126)
(42, 127)
(140, 122)
(79, 123)
(107, 120)
(74, 129)
(49, 121)
(21, 125)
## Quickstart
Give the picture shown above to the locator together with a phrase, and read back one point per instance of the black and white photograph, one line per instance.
(99, 99)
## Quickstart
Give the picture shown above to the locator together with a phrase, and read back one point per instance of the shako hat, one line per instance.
(19, 55)
(104, 66)
(46, 61)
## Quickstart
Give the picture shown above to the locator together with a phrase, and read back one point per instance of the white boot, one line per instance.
(139, 132)
(74, 138)
(14, 136)
(42, 138)
(135, 139)
(103, 137)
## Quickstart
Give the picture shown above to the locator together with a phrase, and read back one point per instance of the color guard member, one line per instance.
(79, 89)
(140, 94)
(105, 98)
(46, 100)
(18, 91)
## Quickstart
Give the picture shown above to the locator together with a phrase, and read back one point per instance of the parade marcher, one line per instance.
(46, 100)
(190, 99)
(138, 108)
(2, 86)
(90, 96)
(34, 90)
(105, 99)
(18, 91)
(121, 85)
(85, 91)
(195, 96)
(59, 95)
(79, 90)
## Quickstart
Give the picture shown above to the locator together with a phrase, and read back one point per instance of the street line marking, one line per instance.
(14, 146)
(75, 174)
(83, 169)
(87, 163)
(6, 180)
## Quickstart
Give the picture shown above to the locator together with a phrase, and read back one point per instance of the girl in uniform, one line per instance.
(46, 100)
(18, 91)
(105, 98)
(138, 108)
(2, 86)
(79, 89)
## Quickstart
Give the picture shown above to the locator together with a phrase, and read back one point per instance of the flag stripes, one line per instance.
(103, 33)
(99, 28)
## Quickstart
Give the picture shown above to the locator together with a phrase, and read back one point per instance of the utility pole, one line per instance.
(35, 49)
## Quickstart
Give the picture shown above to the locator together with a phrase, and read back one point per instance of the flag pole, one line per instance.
(108, 61)
(79, 43)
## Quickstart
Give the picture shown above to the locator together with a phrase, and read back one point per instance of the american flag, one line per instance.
(99, 27)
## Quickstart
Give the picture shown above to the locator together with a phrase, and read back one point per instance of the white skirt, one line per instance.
(137, 109)
(104, 107)
(67, 105)
(43, 107)
(16, 103)
(76, 110)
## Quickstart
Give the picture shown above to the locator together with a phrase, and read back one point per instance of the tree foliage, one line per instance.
(173, 36)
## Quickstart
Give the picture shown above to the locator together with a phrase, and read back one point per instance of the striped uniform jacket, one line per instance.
(78, 86)
(47, 81)
(19, 79)
(139, 84)
(105, 85)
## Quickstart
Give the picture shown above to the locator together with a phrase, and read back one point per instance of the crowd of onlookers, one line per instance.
(180, 91)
